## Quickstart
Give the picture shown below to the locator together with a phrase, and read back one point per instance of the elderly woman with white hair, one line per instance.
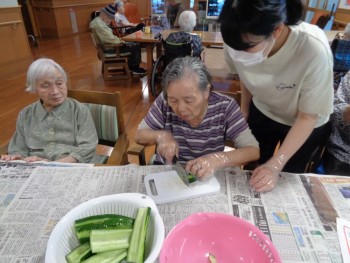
(54, 128)
(122, 20)
(187, 22)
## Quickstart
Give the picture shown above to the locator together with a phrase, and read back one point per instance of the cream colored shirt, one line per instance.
(104, 32)
(299, 77)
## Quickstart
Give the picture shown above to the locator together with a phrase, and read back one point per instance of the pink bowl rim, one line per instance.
(246, 223)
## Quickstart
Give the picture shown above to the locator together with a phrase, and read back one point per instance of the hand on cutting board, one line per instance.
(205, 166)
(167, 147)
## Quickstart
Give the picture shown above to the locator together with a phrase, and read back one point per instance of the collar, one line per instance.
(56, 112)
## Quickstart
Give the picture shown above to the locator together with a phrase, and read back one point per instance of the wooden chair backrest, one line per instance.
(103, 98)
(236, 95)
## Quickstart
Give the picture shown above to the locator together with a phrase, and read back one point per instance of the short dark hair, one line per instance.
(257, 17)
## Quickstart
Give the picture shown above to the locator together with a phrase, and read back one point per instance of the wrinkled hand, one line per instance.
(35, 159)
(205, 166)
(167, 147)
(264, 178)
(8, 157)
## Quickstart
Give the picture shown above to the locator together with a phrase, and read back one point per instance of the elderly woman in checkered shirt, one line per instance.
(336, 159)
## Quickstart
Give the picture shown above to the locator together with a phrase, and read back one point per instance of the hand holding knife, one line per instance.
(186, 177)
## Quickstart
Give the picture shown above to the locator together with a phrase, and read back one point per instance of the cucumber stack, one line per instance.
(111, 238)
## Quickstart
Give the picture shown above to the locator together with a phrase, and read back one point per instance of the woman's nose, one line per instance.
(54, 89)
(181, 107)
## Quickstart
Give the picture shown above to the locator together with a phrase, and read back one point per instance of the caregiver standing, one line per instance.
(285, 69)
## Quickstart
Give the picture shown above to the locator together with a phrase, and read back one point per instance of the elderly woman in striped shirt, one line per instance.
(191, 122)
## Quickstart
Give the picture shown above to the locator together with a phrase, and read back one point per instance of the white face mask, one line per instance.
(249, 58)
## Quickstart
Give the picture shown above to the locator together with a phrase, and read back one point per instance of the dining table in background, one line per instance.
(330, 34)
(153, 45)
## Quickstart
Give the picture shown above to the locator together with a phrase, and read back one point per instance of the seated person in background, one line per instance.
(55, 128)
(336, 159)
(105, 35)
(187, 22)
(190, 121)
(122, 20)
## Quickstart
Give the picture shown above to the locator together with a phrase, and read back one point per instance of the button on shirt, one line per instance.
(68, 130)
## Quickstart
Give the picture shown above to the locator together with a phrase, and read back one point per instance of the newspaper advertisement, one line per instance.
(299, 215)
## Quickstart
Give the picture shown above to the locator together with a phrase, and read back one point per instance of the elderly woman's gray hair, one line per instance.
(118, 4)
(187, 20)
(184, 67)
(42, 67)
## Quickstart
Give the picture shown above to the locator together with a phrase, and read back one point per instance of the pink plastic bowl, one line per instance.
(228, 238)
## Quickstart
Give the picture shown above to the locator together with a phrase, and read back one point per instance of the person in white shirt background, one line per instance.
(122, 20)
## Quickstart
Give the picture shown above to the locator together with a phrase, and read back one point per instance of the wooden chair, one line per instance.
(107, 113)
(320, 18)
(114, 66)
(322, 15)
(3, 149)
(132, 14)
(119, 31)
(94, 14)
(317, 155)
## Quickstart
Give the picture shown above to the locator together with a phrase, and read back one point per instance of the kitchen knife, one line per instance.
(181, 172)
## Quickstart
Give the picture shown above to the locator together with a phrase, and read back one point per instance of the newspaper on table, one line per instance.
(299, 215)
(343, 229)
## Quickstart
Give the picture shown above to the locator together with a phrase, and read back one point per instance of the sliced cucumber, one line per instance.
(136, 249)
(84, 226)
(103, 240)
(114, 256)
(79, 254)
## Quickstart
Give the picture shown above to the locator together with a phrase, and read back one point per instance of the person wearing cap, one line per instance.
(105, 34)
(122, 20)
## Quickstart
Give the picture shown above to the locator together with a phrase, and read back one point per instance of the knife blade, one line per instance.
(181, 172)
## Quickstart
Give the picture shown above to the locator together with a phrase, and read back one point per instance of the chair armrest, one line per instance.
(111, 46)
(116, 47)
(139, 151)
(146, 21)
(119, 153)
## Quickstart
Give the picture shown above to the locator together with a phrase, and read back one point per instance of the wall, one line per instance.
(144, 7)
(15, 54)
(61, 18)
(7, 3)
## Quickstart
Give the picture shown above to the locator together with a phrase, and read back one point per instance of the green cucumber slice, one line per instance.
(103, 240)
(136, 249)
(79, 254)
(114, 256)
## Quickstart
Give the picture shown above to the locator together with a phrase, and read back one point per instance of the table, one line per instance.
(208, 39)
(299, 215)
(330, 34)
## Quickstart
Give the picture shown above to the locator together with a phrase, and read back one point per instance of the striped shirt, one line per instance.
(223, 121)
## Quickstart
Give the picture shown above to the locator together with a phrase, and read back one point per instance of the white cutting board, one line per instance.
(165, 187)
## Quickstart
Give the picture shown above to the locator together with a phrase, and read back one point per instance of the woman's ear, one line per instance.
(278, 30)
(207, 92)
